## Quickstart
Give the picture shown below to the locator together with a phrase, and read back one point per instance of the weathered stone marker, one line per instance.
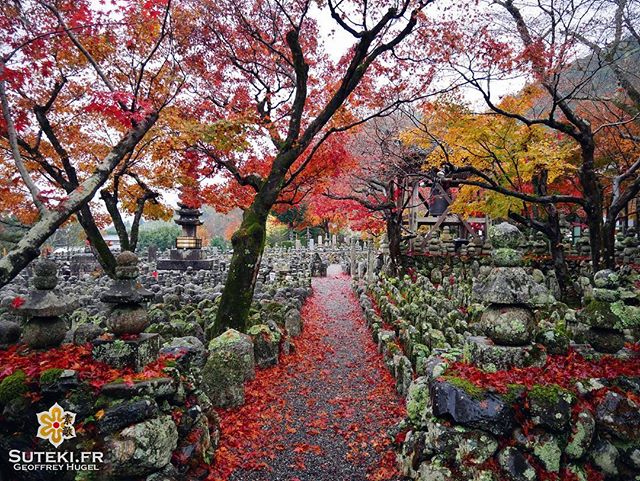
(231, 362)
(508, 321)
(44, 306)
(127, 318)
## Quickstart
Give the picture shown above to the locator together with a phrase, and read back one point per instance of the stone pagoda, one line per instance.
(44, 307)
(127, 319)
(508, 320)
(188, 252)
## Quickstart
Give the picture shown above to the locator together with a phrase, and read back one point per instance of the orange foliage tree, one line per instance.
(81, 86)
(576, 53)
(268, 79)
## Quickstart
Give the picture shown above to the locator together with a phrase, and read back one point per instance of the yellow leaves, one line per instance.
(530, 97)
(546, 153)
(153, 211)
(504, 148)
(471, 199)
(226, 135)
(507, 151)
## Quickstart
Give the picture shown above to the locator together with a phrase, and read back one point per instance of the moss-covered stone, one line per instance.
(231, 361)
(266, 344)
(628, 317)
(550, 406)
(467, 386)
(419, 402)
(599, 314)
(506, 257)
(549, 454)
(13, 386)
(514, 392)
(50, 375)
(582, 431)
(263, 329)
(550, 393)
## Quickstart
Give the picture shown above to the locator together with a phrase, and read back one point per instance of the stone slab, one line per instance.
(135, 353)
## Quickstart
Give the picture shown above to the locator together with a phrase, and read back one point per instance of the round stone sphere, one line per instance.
(505, 235)
(45, 274)
(508, 325)
(44, 332)
(127, 320)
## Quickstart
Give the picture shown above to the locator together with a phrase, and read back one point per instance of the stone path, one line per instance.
(326, 412)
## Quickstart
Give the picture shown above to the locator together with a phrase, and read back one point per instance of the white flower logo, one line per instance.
(56, 425)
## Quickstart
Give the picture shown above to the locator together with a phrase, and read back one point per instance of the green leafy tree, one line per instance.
(160, 234)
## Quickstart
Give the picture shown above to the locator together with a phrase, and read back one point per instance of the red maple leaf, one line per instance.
(17, 302)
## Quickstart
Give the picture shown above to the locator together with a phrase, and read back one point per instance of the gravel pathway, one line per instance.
(325, 412)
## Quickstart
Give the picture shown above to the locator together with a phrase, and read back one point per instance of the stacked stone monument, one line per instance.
(618, 246)
(508, 321)
(474, 247)
(188, 251)
(44, 326)
(583, 244)
(435, 246)
(448, 245)
(612, 308)
(487, 247)
(127, 319)
(630, 247)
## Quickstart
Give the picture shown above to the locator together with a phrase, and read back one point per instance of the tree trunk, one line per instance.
(593, 204)
(568, 292)
(248, 244)
(609, 241)
(29, 246)
(551, 229)
(97, 243)
(394, 235)
(562, 271)
(111, 203)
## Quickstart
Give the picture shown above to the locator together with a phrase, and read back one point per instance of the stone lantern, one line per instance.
(44, 307)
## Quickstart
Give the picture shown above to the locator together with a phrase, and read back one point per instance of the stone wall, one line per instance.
(457, 431)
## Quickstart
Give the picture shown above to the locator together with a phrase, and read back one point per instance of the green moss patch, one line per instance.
(467, 386)
(13, 386)
(549, 394)
(50, 375)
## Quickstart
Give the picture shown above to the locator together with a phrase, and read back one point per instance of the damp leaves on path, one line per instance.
(324, 412)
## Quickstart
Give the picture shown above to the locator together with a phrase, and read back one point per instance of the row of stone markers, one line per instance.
(508, 383)
(627, 245)
(141, 379)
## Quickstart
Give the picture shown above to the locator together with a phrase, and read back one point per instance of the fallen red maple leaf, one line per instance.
(17, 302)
